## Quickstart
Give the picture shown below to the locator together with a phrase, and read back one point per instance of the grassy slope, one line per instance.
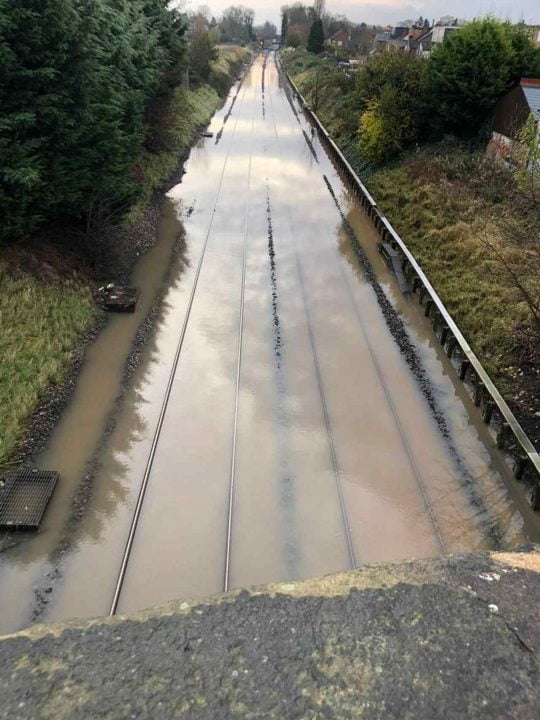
(448, 248)
(40, 322)
(42, 315)
(189, 110)
(192, 109)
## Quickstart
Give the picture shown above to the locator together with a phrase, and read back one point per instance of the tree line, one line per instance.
(309, 26)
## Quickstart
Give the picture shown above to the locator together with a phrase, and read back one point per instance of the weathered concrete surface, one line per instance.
(456, 637)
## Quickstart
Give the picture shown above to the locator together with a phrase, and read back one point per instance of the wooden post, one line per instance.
(520, 463)
(452, 344)
(487, 412)
(444, 334)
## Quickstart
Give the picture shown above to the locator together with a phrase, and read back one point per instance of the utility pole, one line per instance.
(316, 99)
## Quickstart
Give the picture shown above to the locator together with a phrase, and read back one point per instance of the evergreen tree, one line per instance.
(76, 79)
(473, 68)
(284, 26)
(315, 42)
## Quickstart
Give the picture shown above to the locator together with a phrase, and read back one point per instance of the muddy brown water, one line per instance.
(322, 431)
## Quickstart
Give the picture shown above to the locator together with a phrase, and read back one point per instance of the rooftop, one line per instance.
(531, 90)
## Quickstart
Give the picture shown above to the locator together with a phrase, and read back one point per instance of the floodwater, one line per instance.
(296, 439)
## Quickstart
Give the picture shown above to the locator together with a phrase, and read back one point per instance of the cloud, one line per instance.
(383, 12)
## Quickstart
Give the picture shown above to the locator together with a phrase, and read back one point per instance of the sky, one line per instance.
(383, 12)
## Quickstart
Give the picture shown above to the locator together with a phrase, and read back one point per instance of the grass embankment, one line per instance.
(187, 111)
(41, 320)
(472, 225)
(472, 230)
(46, 306)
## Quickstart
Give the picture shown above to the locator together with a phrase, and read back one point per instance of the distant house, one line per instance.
(534, 33)
(427, 42)
(414, 35)
(402, 38)
(381, 40)
(342, 39)
(397, 41)
(397, 44)
(511, 113)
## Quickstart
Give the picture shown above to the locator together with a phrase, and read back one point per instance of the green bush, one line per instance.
(391, 91)
(315, 41)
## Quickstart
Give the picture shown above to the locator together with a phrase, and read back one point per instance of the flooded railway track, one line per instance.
(157, 433)
(380, 378)
(276, 428)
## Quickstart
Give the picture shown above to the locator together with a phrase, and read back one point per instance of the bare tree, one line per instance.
(319, 6)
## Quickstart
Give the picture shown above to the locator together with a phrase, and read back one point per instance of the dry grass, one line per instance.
(446, 216)
(229, 56)
(40, 322)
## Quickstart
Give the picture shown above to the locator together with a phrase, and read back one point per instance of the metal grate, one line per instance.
(24, 497)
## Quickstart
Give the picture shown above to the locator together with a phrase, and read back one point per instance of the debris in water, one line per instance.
(119, 298)
(392, 259)
(273, 279)
(489, 577)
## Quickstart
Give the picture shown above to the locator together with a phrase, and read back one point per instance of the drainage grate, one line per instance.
(24, 497)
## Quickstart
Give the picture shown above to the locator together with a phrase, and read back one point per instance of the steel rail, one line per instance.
(232, 471)
(385, 228)
(318, 374)
(157, 432)
(397, 420)
(399, 425)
